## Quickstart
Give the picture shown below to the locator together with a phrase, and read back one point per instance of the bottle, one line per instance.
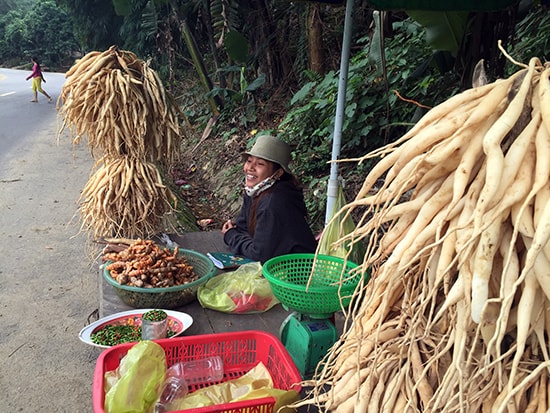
(173, 389)
(202, 371)
(180, 375)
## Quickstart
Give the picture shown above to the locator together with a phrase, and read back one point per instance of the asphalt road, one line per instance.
(48, 271)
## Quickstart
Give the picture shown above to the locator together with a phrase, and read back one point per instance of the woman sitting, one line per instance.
(273, 216)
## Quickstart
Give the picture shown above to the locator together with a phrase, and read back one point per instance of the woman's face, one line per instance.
(256, 170)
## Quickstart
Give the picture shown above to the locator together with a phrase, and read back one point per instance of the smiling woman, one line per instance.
(273, 216)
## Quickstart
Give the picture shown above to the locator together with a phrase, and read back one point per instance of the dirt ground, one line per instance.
(48, 276)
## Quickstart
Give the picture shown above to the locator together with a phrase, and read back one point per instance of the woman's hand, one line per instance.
(227, 226)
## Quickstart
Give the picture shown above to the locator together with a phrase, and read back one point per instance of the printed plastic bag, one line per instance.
(337, 228)
(135, 385)
(243, 291)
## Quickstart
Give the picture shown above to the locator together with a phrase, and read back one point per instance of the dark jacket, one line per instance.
(281, 226)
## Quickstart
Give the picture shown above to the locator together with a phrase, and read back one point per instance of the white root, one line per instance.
(456, 216)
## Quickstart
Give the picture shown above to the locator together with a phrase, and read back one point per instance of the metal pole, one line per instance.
(332, 188)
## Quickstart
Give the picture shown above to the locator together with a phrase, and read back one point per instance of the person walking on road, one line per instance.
(37, 79)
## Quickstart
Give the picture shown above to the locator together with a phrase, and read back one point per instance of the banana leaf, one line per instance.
(338, 228)
(444, 30)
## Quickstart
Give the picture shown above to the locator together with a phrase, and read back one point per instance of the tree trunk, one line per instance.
(315, 38)
(215, 102)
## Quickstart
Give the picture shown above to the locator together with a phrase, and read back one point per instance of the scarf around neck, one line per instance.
(260, 187)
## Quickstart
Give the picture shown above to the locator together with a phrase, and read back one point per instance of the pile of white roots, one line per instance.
(456, 315)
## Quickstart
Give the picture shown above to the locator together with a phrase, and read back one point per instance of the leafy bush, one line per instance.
(532, 38)
(374, 114)
(44, 30)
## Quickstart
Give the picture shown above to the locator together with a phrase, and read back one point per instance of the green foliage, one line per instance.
(122, 7)
(236, 46)
(374, 115)
(50, 33)
(96, 25)
(13, 34)
(9, 5)
(239, 97)
(224, 15)
(44, 30)
(444, 30)
(140, 27)
(532, 38)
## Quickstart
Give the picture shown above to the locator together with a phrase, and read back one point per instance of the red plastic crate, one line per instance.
(240, 351)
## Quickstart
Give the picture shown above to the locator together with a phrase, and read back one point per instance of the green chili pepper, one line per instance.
(155, 315)
(112, 335)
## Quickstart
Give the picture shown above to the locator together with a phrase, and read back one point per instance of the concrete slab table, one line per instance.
(205, 321)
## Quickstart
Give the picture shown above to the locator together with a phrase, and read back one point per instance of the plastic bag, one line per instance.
(243, 291)
(135, 385)
(256, 383)
(338, 228)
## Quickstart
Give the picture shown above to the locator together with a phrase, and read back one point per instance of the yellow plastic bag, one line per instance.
(243, 291)
(257, 383)
(134, 386)
(338, 228)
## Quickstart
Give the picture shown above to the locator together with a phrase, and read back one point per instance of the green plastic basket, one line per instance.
(318, 297)
(169, 297)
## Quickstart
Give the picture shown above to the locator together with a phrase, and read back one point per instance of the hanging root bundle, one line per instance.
(124, 196)
(456, 316)
(119, 103)
(132, 126)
